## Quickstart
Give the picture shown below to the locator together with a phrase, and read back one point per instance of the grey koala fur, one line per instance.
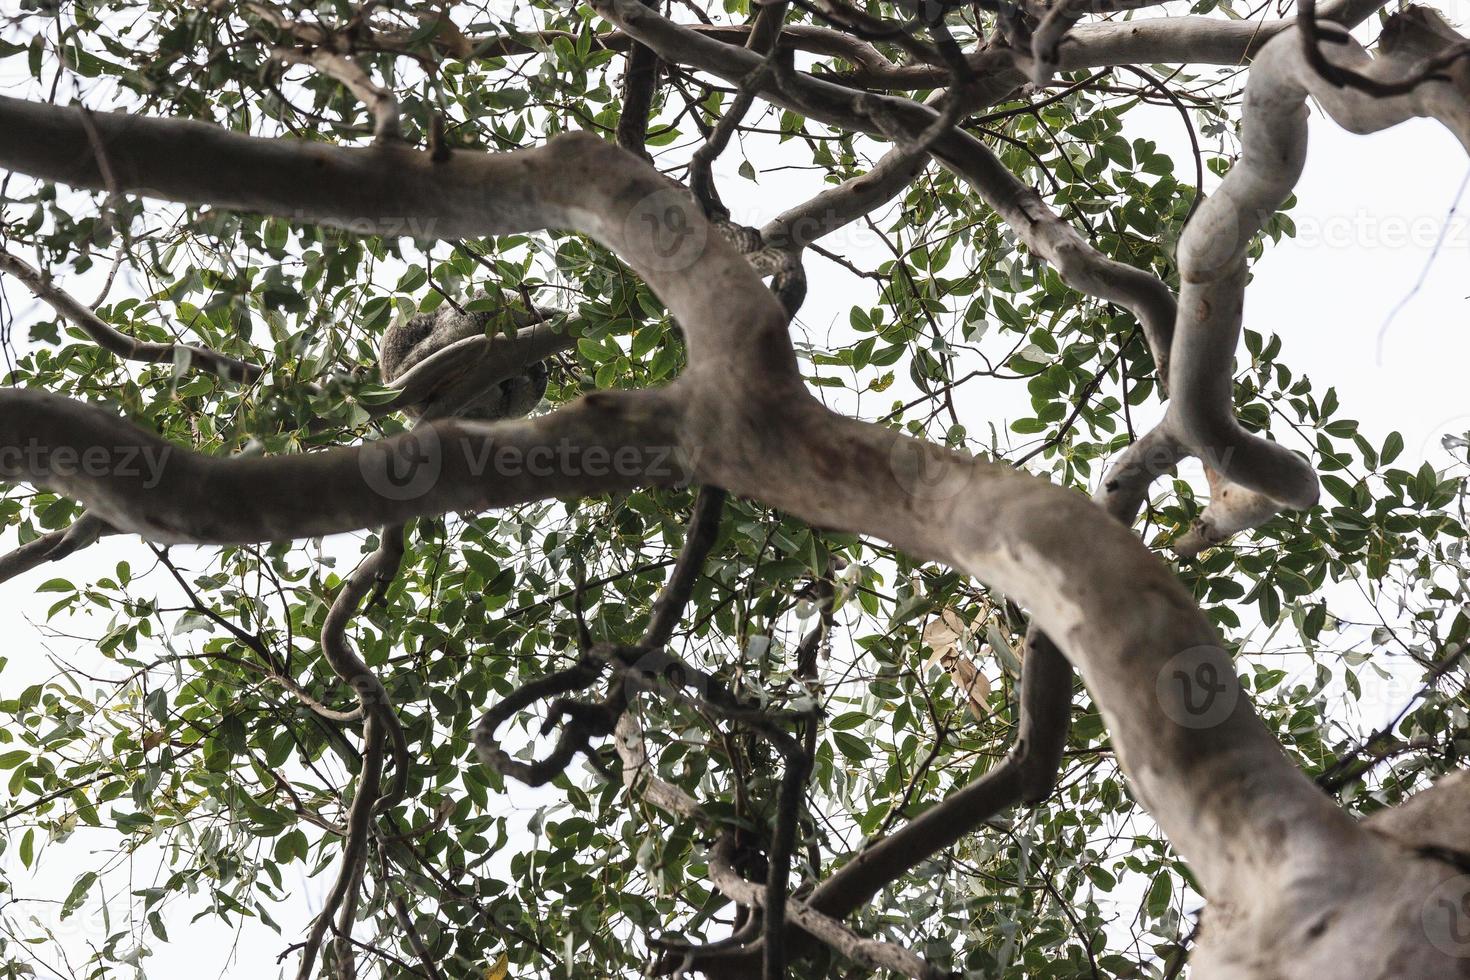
(407, 342)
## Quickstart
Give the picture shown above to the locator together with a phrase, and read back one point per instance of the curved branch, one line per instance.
(304, 696)
(584, 721)
(375, 572)
(1076, 261)
(575, 181)
(344, 69)
(1060, 18)
(114, 341)
(1235, 808)
(1250, 478)
(380, 730)
(1193, 40)
(56, 545)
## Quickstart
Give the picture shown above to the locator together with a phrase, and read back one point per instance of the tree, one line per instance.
(687, 594)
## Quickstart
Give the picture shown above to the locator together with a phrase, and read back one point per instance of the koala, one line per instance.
(407, 342)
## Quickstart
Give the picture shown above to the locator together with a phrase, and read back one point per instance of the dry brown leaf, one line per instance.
(944, 635)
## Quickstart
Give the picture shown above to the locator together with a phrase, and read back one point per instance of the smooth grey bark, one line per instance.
(835, 471)
(1297, 888)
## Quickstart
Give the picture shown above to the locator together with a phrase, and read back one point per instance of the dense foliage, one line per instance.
(169, 740)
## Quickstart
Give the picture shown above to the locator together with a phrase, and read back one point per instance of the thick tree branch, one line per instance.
(138, 483)
(1060, 18)
(1247, 821)
(799, 440)
(1251, 478)
(1161, 40)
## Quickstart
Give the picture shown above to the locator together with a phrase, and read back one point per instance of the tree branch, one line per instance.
(871, 953)
(345, 69)
(114, 341)
(1251, 478)
(82, 532)
(1233, 806)
(1076, 261)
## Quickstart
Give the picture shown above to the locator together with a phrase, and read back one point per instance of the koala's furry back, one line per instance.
(407, 342)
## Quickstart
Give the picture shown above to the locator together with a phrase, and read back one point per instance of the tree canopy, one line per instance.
(778, 728)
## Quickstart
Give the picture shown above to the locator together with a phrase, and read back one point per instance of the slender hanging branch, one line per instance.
(114, 341)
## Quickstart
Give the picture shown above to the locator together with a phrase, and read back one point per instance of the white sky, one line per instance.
(1369, 209)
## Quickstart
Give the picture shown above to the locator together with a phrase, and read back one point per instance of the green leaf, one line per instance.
(1160, 896)
(78, 893)
(1392, 446)
(645, 340)
(291, 846)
